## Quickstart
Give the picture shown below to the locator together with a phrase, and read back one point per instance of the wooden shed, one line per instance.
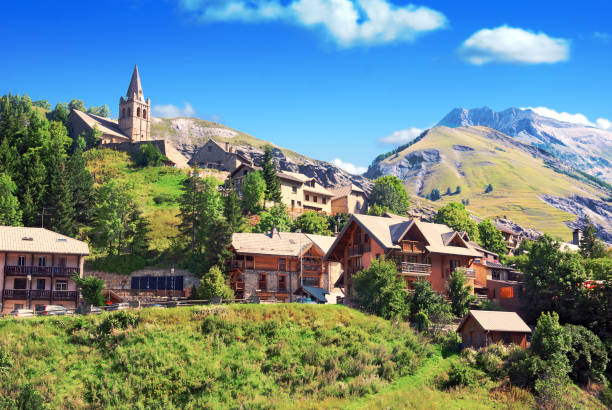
(480, 328)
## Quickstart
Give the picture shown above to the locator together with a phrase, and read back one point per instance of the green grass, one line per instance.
(251, 355)
(518, 179)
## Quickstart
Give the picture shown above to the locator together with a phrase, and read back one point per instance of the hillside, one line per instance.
(252, 356)
(189, 134)
(473, 157)
(584, 147)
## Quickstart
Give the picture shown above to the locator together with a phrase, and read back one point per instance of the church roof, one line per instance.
(105, 125)
(135, 87)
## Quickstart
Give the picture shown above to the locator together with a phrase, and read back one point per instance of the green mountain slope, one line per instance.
(474, 157)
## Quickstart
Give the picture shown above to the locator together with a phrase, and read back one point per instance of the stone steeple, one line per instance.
(135, 112)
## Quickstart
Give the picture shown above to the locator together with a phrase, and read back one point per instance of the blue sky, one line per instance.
(332, 79)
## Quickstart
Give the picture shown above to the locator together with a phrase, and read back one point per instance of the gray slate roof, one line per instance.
(279, 243)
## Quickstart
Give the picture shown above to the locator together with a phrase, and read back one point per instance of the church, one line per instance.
(133, 126)
(131, 130)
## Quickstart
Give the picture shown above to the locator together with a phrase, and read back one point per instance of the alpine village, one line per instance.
(173, 262)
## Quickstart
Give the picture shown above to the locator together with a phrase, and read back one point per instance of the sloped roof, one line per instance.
(291, 176)
(104, 125)
(388, 231)
(496, 265)
(346, 190)
(318, 189)
(315, 292)
(39, 240)
(135, 87)
(279, 243)
(497, 321)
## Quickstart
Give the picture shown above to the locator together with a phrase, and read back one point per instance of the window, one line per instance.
(358, 206)
(506, 337)
(138, 112)
(282, 282)
(495, 275)
(61, 262)
(294, 189)
(299, 203)
(123, 112)
(20, 283)
(324, 200)
(40, 284)
(292, 203)
(17, 306)
(282, 264)
(262, 283)
(144, 114)
(307, 197)
(314, 198)
(42, 261)
(61, 285)
(21, 261)
(129, 112)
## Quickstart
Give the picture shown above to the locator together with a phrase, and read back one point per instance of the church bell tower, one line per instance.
(135, 112)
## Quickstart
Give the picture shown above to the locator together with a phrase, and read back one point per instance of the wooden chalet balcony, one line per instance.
(470, 273)
(316, 268)
(238, 264)
(40, 294)
(415, 269)
(358, 250)
(12, 270)
(413, 247)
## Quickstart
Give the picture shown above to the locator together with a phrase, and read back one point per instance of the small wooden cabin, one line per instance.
(481, 328)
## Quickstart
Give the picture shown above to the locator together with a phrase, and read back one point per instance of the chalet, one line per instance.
(481, 328)
(421, 250)
(299, 192)
(281, 265)
(513, 239)
(221, 156)
(349, 199)
(36, 268)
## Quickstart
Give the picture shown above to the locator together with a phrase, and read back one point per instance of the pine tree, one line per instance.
(81, 183)
(32, 187)
(10, 214)
(590, 245)
(232, 209)
(190, 210)
(273, 192)
(59, 200)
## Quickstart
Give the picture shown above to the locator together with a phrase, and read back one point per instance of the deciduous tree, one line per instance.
(389, 194)
(459, 293)
(491, 238)
(312, 222)
(276, 217)
(458, 218)
(253, 189)
(213, 284)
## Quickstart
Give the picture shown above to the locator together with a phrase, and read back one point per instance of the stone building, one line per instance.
(221, 156)
(349, 199)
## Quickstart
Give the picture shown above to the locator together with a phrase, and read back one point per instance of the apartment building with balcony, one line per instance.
(281, 265)
(422, 251)
(36, 268)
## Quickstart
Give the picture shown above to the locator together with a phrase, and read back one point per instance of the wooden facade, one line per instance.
(503, 328)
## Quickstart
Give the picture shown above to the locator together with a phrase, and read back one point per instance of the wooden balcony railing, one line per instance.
(360, 249)
(317, 268)
(238, 264)
(40, 294)
(413, 247)
(470, 273)
(416, 269)
(15, 270)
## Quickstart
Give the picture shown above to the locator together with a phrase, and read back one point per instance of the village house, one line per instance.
(221, 156)
(282, 266)
(513, 239)
(36, 268)
(299, 192)
(421, 250)
(481, 328)
(349, 199)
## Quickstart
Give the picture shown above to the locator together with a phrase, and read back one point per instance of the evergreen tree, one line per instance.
(458, 190)
(448, 191)
(139, 243)
(32, 186)
(190, 210)
(488, 189)
(213, 284)
(218, 240)
(232, 209)
(590, 246)
(435, 194)
(491, 238)
(60, 113)
(273, 192)
(253, 190)
(81, 183)
(10, 214)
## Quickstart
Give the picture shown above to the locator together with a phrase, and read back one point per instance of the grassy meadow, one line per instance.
(518, 179)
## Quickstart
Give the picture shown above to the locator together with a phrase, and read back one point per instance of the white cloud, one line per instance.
(172, 111)
(513, 45)
(602, 35)
(400, 137)
(347, 22)
(576, 118)
(348, 167)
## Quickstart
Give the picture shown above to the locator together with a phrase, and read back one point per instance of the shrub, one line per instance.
(461, 374)
(122, 264)
(6, 361)
(587, 356)
(491, 360)
(459, 292)
(421, 321)
(489, 305)
(117, 321)
(91, 289)
(552, 391)
(551, 341)
(450, 343)
(605, 396)
(28, 398)
(213, 284)
(149, 155)
(163, 199)
(523, 368)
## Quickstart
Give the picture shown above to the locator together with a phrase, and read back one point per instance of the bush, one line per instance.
(213, 284)
(605, 396)
(587, 356)
(149, 156)
(28, 398)
(552, 391)
(491, 360)
(450, 343)
(489, 305)
(117, 321)
(163, 199)
(461, 374)
(122, 264)
(523, 368)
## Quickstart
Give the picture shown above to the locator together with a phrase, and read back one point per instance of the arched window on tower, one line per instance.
(144, 113)
(138, 112)
(129, 112)
(122, 112)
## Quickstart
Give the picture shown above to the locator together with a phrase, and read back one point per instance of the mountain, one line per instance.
(529, 186)
(189, 134)
(584, 147)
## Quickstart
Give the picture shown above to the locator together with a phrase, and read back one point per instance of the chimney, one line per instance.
(227, 147)
(577, 236)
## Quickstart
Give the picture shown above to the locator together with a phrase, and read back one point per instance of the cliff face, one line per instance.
(190, 134)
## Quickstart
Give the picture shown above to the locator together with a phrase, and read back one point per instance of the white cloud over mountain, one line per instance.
(347, 22)
(513, 45)
(576, 118)
(400, 137)
(348, 167)
(172, 111)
